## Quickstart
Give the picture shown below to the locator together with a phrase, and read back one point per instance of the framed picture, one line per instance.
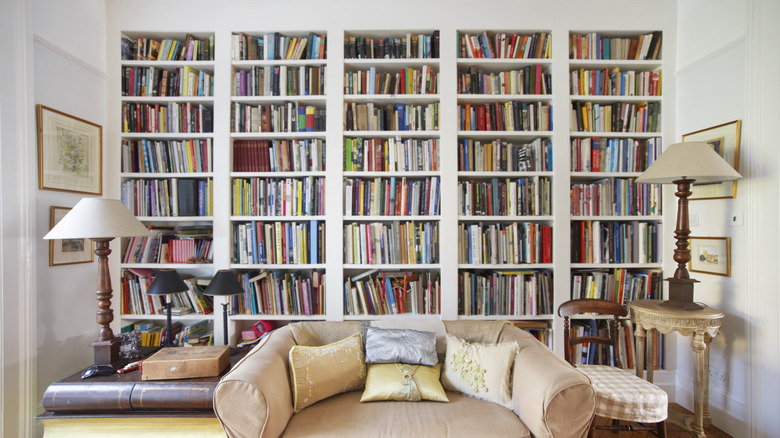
(67, 251)
(711, 255)
(69, 153)
(724, 139)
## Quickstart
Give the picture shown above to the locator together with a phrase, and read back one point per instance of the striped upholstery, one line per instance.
(624, 396)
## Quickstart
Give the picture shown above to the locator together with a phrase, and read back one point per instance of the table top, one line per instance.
(128, 392)
(651, 315)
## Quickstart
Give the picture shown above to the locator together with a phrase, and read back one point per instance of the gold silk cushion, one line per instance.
(403, 382)
(320, 372)
(479, 370)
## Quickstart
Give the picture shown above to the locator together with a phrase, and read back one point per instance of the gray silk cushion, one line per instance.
(401, 346)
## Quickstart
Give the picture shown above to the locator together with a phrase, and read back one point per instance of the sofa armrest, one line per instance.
(551, 397)
(254, 398)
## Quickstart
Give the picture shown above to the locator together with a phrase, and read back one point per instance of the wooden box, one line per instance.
(186, 362)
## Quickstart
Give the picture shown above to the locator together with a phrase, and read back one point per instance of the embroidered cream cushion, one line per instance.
(320, 372)
(403, 382)
(479, 370)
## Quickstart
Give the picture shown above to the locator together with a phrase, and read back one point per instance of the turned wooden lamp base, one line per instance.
(681, 294)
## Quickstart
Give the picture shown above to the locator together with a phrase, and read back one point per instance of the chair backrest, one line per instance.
(592, 306)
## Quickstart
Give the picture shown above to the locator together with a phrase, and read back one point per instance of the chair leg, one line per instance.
(661, 429)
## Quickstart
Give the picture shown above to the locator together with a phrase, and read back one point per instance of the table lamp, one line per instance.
(101, 220)
(167, 282)
(683, 164)
(224, 283)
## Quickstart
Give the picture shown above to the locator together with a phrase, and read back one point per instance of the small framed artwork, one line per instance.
(711, 255)
(724, 139)
(69, 153)
(67, 251)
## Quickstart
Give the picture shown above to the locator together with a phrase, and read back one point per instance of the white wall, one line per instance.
(69, 64)
(714, 87)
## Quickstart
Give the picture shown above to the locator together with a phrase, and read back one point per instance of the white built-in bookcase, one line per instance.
(559, 20)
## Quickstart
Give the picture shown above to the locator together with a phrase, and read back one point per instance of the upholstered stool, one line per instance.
(621, 395)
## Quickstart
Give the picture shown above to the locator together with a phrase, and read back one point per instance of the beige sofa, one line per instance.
(550, 398)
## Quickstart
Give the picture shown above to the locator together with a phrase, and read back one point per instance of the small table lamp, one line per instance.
(683, 164)
(101, 220)
(224, 283)
(166, 282)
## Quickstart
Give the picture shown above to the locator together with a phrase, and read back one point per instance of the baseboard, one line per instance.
(728, 413)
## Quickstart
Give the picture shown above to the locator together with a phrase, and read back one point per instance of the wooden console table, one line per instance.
(123, 405)
(702, 325)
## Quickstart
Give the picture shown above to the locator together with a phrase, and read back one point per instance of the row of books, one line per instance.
(530, 79)
(280, 80)
(615, 117)
(135, 300)
(273, 46)
(272, 117)
(510, 293)
(615, 242)
(510, 243)
(504, 156)
(391, 243)
(154, 82)
(150, 49)
(391, 154)
(615, 197)
(408, 46)
(619, 285)
(280, 293)
(173, 117)
(398, 117)
(613, 82)
(596, 46)
(279, 243)
(167, 156)
(192, 334)
(528, 196)
(598, 154)
(169, 245)
(278, 155)
(168, 197)
(504, 45)
(505, 116)
(391, 196)
(392, 293)
(423, 80)
(279, 196)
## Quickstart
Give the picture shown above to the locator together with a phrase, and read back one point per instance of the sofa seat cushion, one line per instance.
(344, 416)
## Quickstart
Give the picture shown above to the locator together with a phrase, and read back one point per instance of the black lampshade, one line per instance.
(167, 281)
(224, 283)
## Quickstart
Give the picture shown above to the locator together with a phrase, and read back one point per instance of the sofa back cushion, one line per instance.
(320, 372)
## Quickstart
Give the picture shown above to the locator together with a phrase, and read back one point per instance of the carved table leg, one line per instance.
(639, 363)
(707, 420)
(700, 389)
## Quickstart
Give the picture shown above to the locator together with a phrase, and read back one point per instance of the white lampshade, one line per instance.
(694, 160)
(97, 218)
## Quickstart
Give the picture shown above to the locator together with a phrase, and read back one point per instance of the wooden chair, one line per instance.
(620, 394)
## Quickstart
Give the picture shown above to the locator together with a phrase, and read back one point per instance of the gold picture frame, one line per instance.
(711, 255)
(70, 153)
(67, 251)
(724, 139)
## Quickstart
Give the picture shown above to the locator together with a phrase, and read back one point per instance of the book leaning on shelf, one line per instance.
(391, 243)
(168, 244)
(280, 293)
(280, 243)
(393, 154)
(377, 292)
